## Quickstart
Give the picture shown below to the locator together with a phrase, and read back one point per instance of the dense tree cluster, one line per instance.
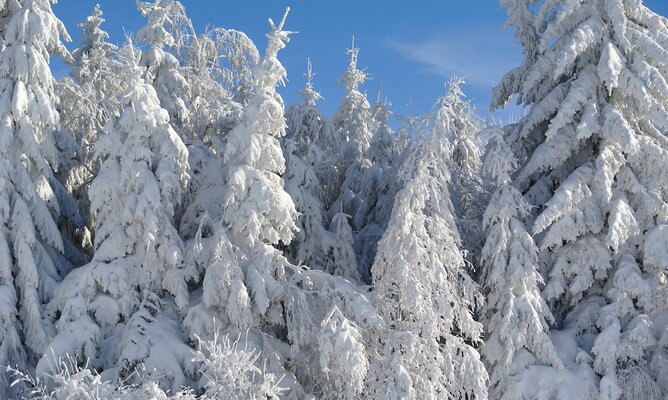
(170, 230)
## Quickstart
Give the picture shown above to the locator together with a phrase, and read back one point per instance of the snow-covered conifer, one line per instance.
(122, 301)
(379, 188)
(248, 273)
(455, 116)
(342, 357)
(87, 101)
(338, 245)
(351, 128)
(305, 123)
(90, 97)
(421, 283)
(258, 213)
(31, 199)
(593, 156)
(515, 315)
(162, 68)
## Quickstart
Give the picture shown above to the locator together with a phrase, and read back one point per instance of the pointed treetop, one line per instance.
(278, 37)
(309, 94)
(379, 99)
(129, 57)
(353, 77)
(91, 28)
(353, 51)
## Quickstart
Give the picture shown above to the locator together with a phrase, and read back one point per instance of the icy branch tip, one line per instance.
(280, 26)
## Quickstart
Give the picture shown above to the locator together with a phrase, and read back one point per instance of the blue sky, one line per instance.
(411, 49)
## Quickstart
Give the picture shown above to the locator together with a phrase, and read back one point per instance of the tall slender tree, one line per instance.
(456, 117)
(422, 287)
(351, 125)
(31, 201)
(88, 100)
(304, 156)
(246, 274)
(515, 315)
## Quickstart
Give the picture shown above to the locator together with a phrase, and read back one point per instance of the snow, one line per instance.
(169, 229)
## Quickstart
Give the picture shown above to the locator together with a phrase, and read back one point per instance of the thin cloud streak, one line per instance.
(481, 57)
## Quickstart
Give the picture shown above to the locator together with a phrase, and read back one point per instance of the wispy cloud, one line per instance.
(481, 55)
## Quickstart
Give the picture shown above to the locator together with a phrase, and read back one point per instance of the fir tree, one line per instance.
(88, 100)
(454, 115)
(246, 273)
(378, 189)
(353, 138)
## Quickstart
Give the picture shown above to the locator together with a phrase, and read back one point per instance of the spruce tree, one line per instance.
(246, 275)
(378, 189)
(304, 156)
(456, 117)
(120, 309)
(422, 287)
(88, 100)
(353, 137)
(515, 315)
(593, 156)
(162, 68)
(31, 199)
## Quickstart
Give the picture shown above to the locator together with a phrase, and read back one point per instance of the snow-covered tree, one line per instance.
(593, 155)
(351, 127)
(246, 275)
(215, 62)
(342, 357)
(162, 68)
(378, 189)
(90, 98)
(338, 245)
(258, 213)
(118, 310)
(454, 115)
(305, 123)
(31, 199)
(87, 101)
(421, 283)
(515, 315)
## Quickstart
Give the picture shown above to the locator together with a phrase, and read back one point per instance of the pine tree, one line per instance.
(31, 199)
(422, 287)
(593, 157)
(123, 302)
(258, 213)
(515, 315)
